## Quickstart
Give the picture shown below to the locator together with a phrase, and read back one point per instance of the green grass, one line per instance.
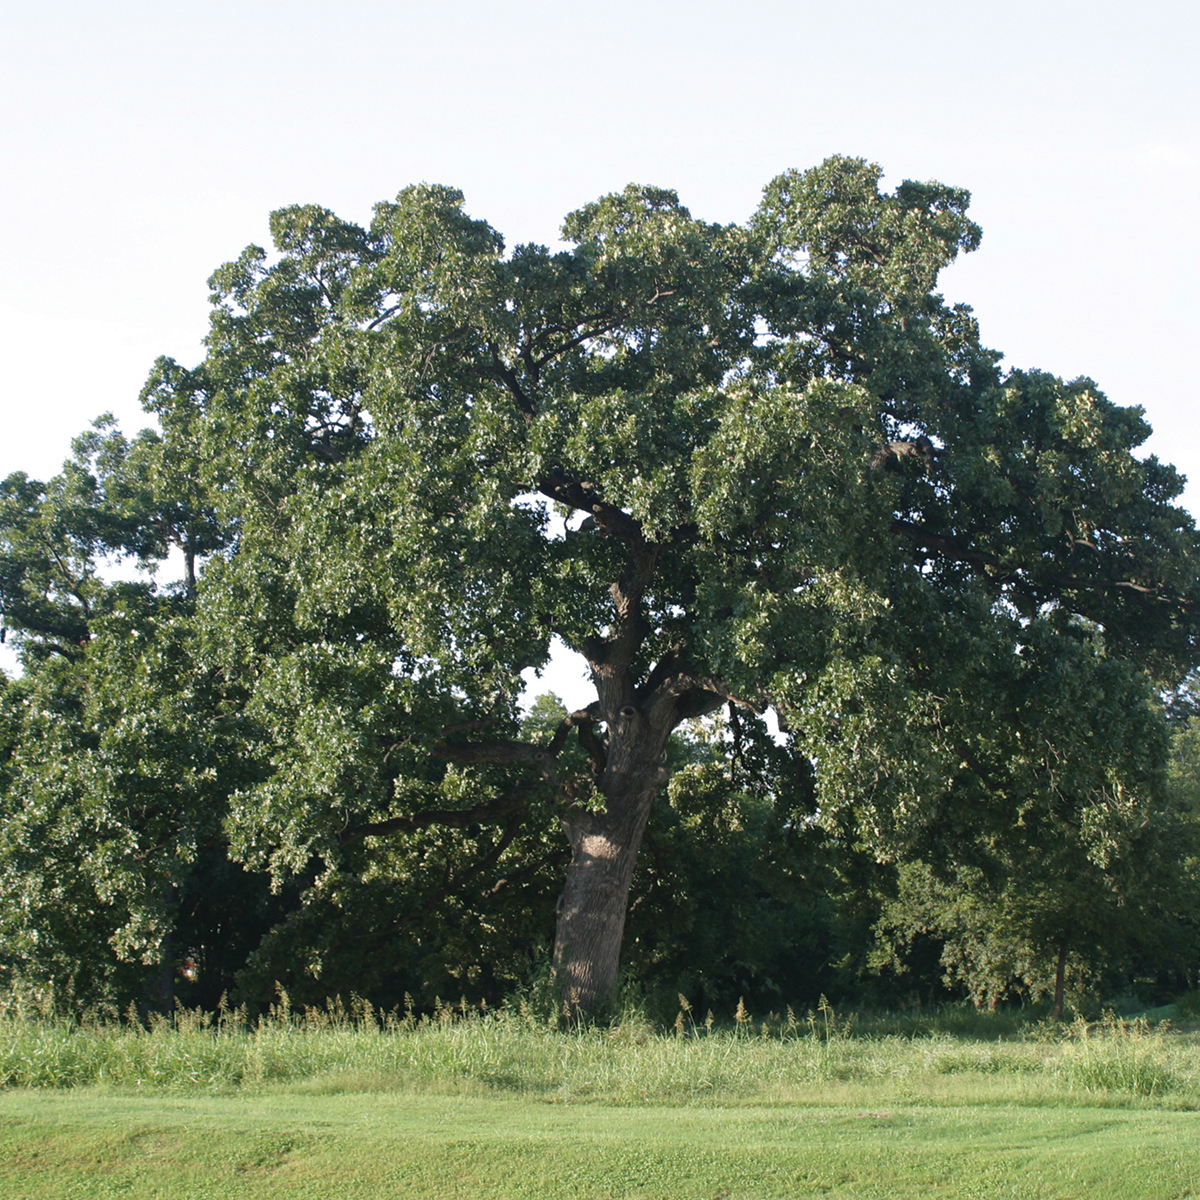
(90, 1143)
(501, 1105)
(628, 1063)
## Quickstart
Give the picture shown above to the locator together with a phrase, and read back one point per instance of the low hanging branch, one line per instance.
(502, 753)
(499, 753)
(511, 804)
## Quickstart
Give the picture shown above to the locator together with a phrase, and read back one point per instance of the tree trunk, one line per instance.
(1060, 979)
(604, 849)
(160, 981)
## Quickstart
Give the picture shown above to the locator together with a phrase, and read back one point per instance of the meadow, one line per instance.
(346, 1101)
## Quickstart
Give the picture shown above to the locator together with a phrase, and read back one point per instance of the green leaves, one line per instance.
(836, 218)
(759, 465)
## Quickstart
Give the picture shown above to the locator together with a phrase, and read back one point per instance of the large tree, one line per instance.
(744, 467)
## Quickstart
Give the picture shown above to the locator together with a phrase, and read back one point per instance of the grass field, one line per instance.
(87, 1143)
(505, 1107)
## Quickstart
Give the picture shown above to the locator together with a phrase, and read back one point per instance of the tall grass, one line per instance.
(354, 1047)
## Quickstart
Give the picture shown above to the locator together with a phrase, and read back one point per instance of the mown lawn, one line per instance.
(333, 1104)
(93, 1143)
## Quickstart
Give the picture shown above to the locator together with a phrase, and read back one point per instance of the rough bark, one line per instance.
(604, 849)
(625, 733)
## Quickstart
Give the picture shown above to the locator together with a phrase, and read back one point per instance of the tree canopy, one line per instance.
(738, 468)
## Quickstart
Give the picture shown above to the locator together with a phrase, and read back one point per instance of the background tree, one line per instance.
(119, 751)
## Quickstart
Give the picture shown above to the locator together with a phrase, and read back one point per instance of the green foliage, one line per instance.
(1096, 867)
(738, 468)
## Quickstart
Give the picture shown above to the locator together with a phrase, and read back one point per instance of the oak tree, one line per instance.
(735, 467)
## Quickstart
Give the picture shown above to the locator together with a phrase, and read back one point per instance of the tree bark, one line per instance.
(604, 849)
(1060, 979)
(160, 980)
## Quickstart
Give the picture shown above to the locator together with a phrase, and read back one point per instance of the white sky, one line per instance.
(144, 143)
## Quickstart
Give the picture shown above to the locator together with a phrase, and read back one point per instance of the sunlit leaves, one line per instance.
(766, 464)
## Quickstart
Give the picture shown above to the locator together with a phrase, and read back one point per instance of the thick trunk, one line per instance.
(604, 849)
(591, 910)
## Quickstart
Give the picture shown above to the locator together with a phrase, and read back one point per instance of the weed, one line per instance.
(344, 1046)
(1117, 1055)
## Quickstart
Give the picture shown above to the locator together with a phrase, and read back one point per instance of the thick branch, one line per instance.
(612, 656)
(663, 671)
(585, 719)
(502, 753)
(509, 378)
(594, 747)
(939, 544)
(958, 552)
(458, 818)
(684, 692)
(609, 519)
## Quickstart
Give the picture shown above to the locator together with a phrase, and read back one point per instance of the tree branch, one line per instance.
(953, 549)
(611, 657)
(585, 720)
(581, 718)
(949, 547)
(488, 813)
(501, 753)
(610, 323)
(683, 692)
(509, 378)
(610, 520)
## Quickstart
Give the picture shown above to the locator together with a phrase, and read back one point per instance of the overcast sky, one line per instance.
(144, 143)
